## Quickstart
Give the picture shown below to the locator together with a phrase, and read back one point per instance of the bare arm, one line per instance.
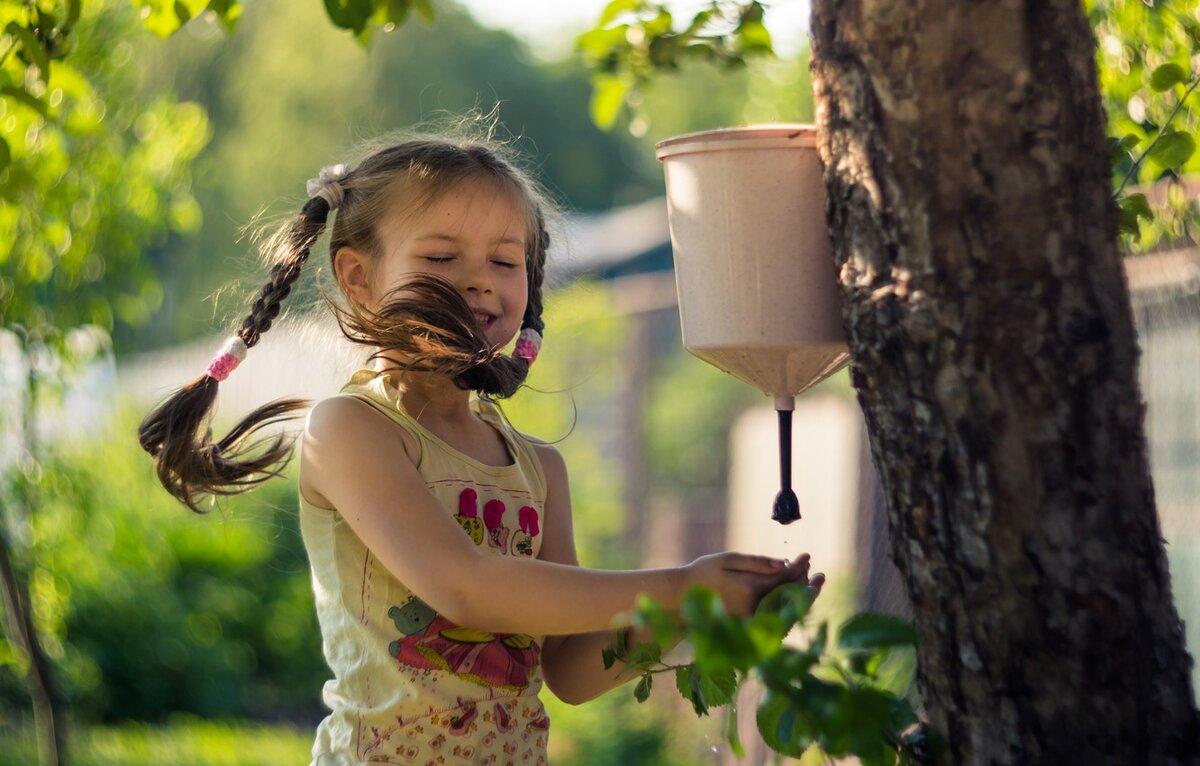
(573, 665)
(356, 459)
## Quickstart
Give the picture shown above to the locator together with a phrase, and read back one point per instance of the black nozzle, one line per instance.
(787, 506)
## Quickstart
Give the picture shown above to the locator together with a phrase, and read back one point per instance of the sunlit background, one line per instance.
(193, 639)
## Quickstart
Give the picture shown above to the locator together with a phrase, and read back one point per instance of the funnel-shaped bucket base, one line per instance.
(778, 370)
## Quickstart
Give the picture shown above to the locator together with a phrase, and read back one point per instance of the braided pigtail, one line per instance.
(177, 435)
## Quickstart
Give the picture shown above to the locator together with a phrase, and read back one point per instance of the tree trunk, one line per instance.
(994, 357)
(48, 718)
(39, 680)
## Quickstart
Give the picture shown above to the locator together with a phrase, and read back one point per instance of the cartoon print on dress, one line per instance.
(522, 539)
(468, 515)
(496, 661)
(493, 519)
(461, 724)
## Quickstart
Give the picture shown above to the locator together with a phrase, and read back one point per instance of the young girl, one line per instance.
(443, 564)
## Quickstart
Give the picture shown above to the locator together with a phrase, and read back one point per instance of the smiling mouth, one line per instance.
(484, 319)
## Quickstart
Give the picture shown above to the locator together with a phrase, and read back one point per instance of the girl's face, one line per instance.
(472, 235)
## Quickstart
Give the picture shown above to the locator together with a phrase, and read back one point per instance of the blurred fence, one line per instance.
(1165, 288)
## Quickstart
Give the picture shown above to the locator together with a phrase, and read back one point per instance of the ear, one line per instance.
(353, 269)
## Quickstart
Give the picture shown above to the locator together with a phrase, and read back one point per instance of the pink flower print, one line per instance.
(468, 515)
(529, 520)
(493, 513)
(522, 539)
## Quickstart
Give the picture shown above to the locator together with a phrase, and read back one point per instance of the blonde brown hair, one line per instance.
(425, 321)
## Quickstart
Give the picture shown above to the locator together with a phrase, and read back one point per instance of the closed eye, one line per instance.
(505, 264)
(438, 258)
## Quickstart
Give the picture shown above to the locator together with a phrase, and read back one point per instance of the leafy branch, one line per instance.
(824, 696)
(633, 39)
(1170, 148)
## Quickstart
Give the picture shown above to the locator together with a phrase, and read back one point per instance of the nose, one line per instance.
(475, 279)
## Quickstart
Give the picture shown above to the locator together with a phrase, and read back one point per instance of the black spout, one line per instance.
(787, 506)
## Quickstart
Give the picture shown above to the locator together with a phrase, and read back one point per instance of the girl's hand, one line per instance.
(741, 580)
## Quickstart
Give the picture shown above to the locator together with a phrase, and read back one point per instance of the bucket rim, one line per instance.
(764, 136)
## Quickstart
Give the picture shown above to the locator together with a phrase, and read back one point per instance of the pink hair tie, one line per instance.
(529, 343)
(227, 359)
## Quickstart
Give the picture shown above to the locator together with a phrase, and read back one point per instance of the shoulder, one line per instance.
(350, 423)
(551, 459)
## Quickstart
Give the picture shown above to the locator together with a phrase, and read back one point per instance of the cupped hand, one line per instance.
(741, 580)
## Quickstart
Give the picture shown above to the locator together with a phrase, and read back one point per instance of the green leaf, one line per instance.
(870, 630)
(1119, 147)
(646, 653)
(350, 14)
(659, 25)
(705, 690)
(599, 43)
(699, 21)
(616, 7)
(609, 656)
(1173, 149)
(663, 623)
(1137, 204)
(690, 689)
(791, 665)
(753, 38)
(228, 11)
(817, 647)
(718, 688)
(700, 606)
(1127, 223)
(642, 692)
(32, 46)
(767, 631)
(777, 723)
(791, 601)
(1167, 76)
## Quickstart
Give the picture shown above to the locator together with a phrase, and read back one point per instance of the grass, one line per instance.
(183, 742)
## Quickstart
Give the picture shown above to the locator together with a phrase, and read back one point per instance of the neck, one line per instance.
(428, 395)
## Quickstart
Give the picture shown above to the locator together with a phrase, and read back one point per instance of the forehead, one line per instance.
(468, 209)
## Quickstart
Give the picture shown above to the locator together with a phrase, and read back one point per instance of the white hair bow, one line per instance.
(328, 184)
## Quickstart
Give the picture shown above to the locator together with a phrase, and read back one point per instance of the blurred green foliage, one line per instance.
(148, 609)
(569, 397)
(95, 177)
(183, 741)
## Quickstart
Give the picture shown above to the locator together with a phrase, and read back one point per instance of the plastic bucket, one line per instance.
(758, 295)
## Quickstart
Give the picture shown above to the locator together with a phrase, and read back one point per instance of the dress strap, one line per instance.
(373, 389)
(519, 444)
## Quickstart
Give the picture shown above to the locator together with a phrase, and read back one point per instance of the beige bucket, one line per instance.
(758, 296)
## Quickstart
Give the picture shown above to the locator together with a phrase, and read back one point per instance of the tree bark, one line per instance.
(994, 356)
